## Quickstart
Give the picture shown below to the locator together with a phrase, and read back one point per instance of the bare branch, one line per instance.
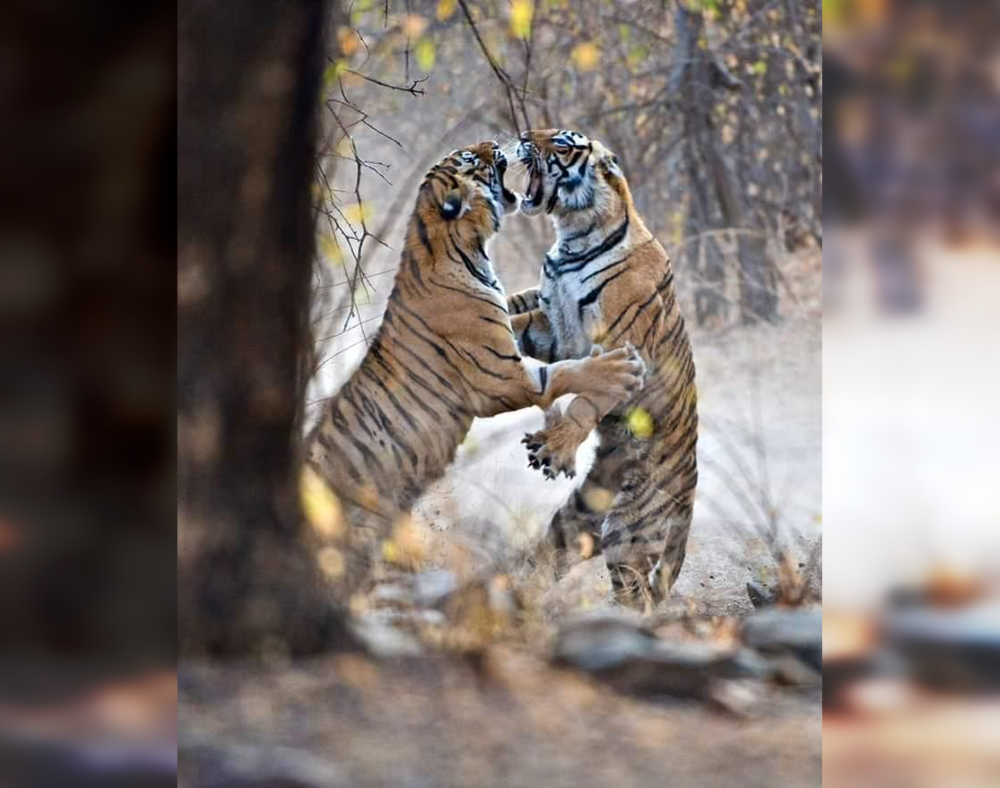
(413, 89)
(501, 74)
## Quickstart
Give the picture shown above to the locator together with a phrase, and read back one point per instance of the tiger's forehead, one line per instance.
(475, 154)
(570, 138)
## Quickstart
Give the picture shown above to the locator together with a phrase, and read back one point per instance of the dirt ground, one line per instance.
(506, 719)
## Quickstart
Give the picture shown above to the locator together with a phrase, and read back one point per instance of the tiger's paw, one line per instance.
(553, 449)
(621, 370)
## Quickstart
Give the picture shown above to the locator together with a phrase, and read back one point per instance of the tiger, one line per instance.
(444, 354)
(607, 280)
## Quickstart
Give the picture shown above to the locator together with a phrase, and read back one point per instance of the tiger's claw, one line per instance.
(552, 450)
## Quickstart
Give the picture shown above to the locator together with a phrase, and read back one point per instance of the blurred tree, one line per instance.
(250, 78)
(87, 523)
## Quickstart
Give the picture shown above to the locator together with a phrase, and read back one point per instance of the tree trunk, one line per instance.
(249, 87)
(87, 575)
(696, 75)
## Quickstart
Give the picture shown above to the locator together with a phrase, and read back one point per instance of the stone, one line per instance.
(246, 766)
(622, 651)
(797, 631)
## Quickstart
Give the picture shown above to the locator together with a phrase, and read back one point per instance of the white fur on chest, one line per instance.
(574, 324)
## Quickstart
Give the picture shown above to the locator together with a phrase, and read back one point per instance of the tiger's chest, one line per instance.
(571, 302)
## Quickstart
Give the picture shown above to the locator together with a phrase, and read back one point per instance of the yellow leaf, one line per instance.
(405, 547)
(425, 53)
(348, 40)
(320, 505)
(470, 444)
(598, 499)
(333, 72)
(586, 56)
(331, 562)
(359, 212)
(345, 147)
(521, 12)
(640, 423)
(330, 249)
(414, 25)
(446, 8)
(363, 298)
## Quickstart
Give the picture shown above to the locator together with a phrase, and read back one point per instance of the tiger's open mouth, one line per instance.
(510, 199)
(535, 191)
(536, 184)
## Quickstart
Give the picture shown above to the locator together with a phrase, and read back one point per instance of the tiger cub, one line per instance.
(443, 355)
(607, 280)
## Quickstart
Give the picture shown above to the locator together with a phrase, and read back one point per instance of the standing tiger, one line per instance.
(444, 354)
(607, 280)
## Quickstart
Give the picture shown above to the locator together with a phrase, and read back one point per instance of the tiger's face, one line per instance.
(472, 177)
(567, 172)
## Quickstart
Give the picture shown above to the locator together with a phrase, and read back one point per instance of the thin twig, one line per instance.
(501, 74)
(411, 89)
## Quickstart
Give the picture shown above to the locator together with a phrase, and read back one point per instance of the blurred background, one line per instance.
(910, 385)
(88, 588)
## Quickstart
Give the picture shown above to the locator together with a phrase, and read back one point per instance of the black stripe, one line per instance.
(575, 262)
(496, 323)
(635, 317)
(591, 297)
(503, 356)
(422, 234)
(527, 343)
(471, 294)
(601, 270)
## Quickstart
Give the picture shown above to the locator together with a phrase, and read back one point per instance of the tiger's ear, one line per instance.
(451, 205)
(607, 161)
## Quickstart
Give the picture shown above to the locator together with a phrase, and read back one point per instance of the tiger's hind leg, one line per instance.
(575, 529)
(644, 540)
(666, 571)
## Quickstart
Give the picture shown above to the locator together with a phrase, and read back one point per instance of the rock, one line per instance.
(381, 639)
(431, 588)
(622, 651)
(797, 631)
(761, 596)
(788, 671)
(423, 589)
(32, 761)
(244, 766)
(948, 649)
(602, 640)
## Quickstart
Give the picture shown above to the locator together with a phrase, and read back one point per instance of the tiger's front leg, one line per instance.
(524, 301)
(534, 336)
(553, 449)
(523, 382)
